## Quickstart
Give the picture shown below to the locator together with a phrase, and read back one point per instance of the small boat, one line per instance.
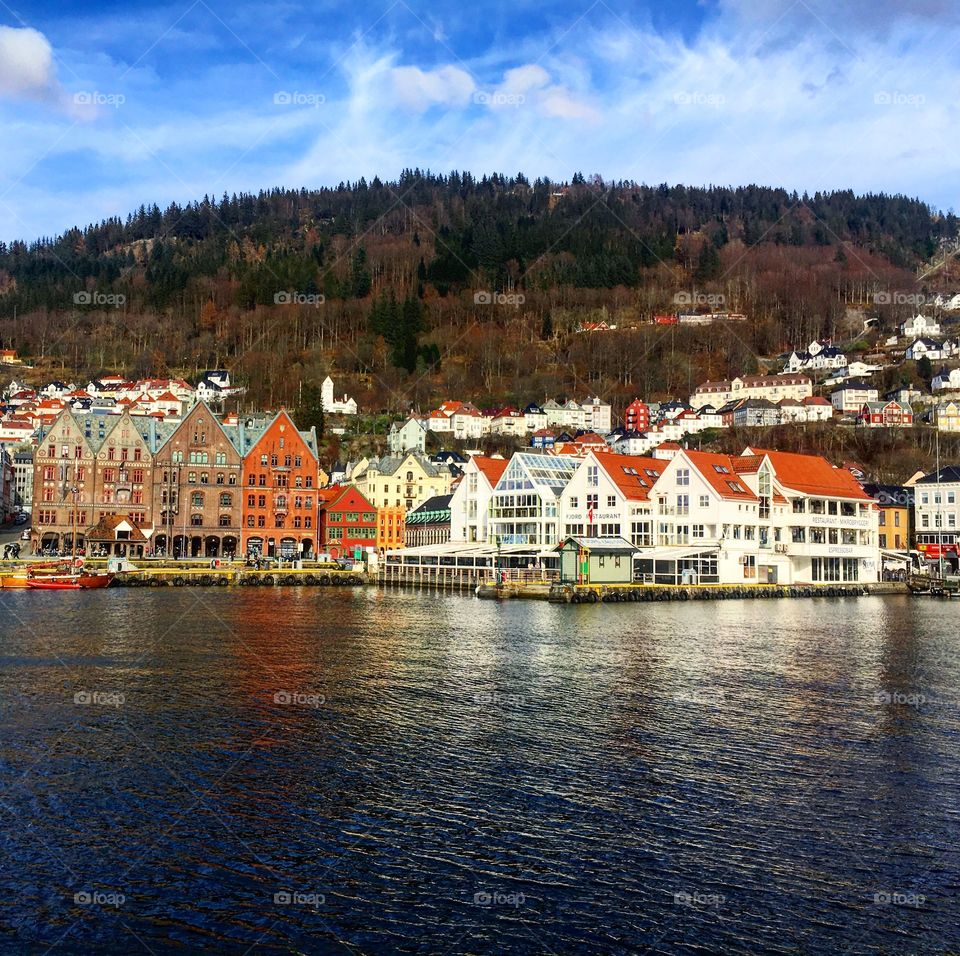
(18, 579)
(70, 582)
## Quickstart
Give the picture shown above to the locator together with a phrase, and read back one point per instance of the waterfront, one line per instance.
(432, 773)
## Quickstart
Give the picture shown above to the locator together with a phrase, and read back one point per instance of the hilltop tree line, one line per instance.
(414, 289)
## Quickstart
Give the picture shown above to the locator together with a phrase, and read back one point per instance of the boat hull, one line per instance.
(14, 582)
(73, 582)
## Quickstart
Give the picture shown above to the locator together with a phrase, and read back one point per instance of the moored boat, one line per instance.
(70, 582)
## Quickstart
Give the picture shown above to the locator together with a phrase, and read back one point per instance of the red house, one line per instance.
(347, 522)
(636, 418)
(885, 415)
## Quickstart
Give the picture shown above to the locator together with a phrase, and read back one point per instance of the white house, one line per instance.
(470, 503)
(946, 380)
(468, 423)
(411, 435)
(853, 395)
(931, 349)
(816, 357)
(343, 406)
(919, 326)
(611, 496)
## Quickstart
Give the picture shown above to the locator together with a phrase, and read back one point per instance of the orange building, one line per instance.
(391, 527)
(280, 488)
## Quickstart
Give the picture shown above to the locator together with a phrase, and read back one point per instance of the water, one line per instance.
(436, 774)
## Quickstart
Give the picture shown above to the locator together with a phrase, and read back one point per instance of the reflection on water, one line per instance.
(416, 772)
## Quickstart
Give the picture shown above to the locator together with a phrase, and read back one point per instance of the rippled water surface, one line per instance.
(428, 773)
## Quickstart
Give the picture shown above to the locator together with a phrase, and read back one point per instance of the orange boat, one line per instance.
(18, 579)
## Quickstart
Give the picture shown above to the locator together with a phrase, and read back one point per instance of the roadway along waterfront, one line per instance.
(357, 769)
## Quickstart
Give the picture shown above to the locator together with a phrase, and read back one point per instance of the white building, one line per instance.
(936, 513)
(919, 326)
(343, 406)
(610, 496)
(470, 503)
(769, 517)
(411, 435)
(852, 396)
(946, 380)
(525, 507)
(772, 387)
(816, 357)
(931, 349)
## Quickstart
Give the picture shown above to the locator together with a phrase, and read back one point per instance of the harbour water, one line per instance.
(353, 770)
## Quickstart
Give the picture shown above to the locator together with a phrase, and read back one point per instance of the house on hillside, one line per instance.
(919, 326)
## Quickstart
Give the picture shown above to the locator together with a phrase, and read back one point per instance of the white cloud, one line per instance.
(420, 89)
(26, 64)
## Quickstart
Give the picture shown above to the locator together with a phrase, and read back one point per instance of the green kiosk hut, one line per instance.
(596, 561)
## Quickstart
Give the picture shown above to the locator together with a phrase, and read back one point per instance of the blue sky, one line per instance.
(106, 106)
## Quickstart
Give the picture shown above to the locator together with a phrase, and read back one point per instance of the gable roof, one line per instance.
(720, 472)
(491, 468)
(812, 475)
(630, 473)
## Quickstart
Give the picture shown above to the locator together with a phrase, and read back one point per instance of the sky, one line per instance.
(107, 106)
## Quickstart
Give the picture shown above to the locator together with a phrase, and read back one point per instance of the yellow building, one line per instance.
(401, 481)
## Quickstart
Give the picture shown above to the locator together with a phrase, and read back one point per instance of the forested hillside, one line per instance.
(437, 286)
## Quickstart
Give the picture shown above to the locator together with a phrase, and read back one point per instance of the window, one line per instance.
(250, 520)
(574, 500)
(252, 480)
(704, 501)
(261, 521)
(721, 469)
(683, 476)
(286, 461)
(226, 500)
(196, 499)
(262, 501)
(593, 476)
(224, 521)
(611, 501)
(192, 478)
(263, 461)
(683, 504)
(698, 531)
(196, 520)
(297, 461)
(736, 486)
(251, 501)
(219, 477)
(593, 501)
(204, 478)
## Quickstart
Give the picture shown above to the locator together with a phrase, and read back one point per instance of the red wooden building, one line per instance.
(348, 522)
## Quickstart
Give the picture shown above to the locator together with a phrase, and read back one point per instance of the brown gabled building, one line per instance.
(197, 493)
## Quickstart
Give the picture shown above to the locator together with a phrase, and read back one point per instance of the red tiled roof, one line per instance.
(812, 475)
(491, 468)
(725, 481)
(635, 487)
